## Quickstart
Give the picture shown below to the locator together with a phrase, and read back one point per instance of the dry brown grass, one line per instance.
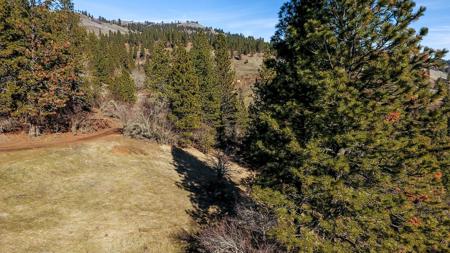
(247, 71)
(248, 65)
(109, 195)
(112, 194)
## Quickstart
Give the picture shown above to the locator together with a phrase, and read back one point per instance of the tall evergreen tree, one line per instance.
(101, 61)
(120, 52)
(204, 68)
(350, 135)
(47, 87)
(158, 68)
(92, 85)
(66, 5)
(225, 80)
(123, 88)
(13, 46)
(184, 96)
(242, 116)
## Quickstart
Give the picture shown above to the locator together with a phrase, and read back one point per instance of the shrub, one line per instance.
(205, 138)
(85, 123)
(245, 232)
(221, 165)
(117, 110)
(147, 121)
(8, 125)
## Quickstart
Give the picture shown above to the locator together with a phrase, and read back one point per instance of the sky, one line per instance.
(437, 19)
(257, 18)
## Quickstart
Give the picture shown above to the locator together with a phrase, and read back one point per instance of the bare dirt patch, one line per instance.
(21, 141)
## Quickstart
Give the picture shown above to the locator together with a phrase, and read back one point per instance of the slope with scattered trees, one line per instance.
(349, 137)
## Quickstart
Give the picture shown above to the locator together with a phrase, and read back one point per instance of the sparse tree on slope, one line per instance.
(350, 135)
(242, 116)
(102, 60)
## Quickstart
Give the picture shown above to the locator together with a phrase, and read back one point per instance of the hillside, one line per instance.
(137, 136)
(98, 27)
(247, 69)
(246, 66)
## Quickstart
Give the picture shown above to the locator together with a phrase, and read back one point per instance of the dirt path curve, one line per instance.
(20, 143)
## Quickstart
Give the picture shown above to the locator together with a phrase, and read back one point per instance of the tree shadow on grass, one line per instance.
(211, 197)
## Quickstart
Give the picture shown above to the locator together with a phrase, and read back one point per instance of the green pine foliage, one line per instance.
(102, 62)
(123, 88)
(226, 132)
(13, 47)
(40, 62)
(351, 138)
(209, 80)
(148, 33)
(204, 68)
(184, 96)
(242, 116)
(92, 83)
(158, 69)
(106, 55)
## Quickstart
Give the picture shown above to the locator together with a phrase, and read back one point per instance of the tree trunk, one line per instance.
(34, 131)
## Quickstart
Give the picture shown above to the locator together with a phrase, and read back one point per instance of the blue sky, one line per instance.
(437, 19)
(250, 17)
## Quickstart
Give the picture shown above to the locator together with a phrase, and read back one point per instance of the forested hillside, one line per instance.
(196, 87)
(187, 69)
(347, 126)
(147, 33)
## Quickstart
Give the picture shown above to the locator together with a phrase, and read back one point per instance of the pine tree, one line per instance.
(242, 116)
(13, 45)
(102, 61)
(209, 90)
(121, 53)
(225, 80)
(158, 69)
(123, 88)
(92, 85)
(66, 5)
(184, 96)
(350, 135)
(48, 84)
(141, 53)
